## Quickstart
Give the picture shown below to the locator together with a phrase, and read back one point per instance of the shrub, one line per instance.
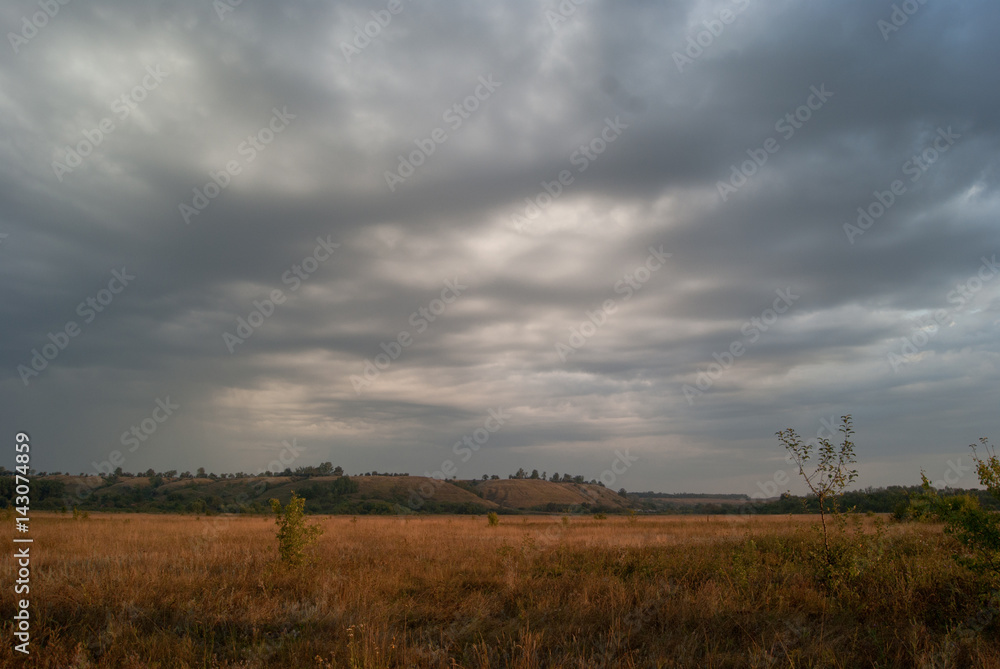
(976, 528)
(493, 519)
(831, 474)
(600, 516)
(294, 534)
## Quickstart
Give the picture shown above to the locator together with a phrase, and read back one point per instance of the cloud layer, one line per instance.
(668, 229)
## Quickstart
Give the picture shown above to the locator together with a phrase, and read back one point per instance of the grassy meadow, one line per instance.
(131, 590)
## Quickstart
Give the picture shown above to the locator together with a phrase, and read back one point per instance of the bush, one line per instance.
(831, 474)
(493, 519)
(294, 535)
(976, 529)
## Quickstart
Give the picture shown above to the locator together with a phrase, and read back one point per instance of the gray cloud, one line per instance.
(467, 214)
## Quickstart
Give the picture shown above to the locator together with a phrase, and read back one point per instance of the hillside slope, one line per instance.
(539, 495)
(323, 494)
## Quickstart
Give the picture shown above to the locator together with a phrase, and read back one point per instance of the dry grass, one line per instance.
(175, 591)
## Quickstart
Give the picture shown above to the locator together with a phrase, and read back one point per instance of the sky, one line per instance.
(629, 240)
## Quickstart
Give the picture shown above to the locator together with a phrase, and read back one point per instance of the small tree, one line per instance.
(976, 528)
(492, 519)
(294, 534)
(831, 473)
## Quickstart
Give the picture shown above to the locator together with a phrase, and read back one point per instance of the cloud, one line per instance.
(525, 201)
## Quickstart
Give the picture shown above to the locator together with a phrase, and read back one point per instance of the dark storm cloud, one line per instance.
(498, 103)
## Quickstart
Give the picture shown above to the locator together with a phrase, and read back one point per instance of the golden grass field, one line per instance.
(135, 590)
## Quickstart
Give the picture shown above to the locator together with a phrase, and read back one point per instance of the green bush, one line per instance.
(294, 534)
(976, 529)
(830, 475)
(493, 519)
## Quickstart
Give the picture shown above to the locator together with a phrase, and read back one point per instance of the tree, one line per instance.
(521, 473)
(338, 471)
(201, 472)
(294, 534)
(534, 473)
(555, 477)
(976, 528)
(831, 474)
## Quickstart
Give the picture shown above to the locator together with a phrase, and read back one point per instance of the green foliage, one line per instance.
(600, 516)
(294, 534)
(326, 496)
(466, 485)
(976, 529)
(831, 474)
(197, 506)
(493, 519)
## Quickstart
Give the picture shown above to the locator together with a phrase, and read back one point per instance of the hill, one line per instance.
(539, 495)
(324, 494)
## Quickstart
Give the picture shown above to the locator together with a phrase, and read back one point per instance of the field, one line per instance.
(133, 590)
